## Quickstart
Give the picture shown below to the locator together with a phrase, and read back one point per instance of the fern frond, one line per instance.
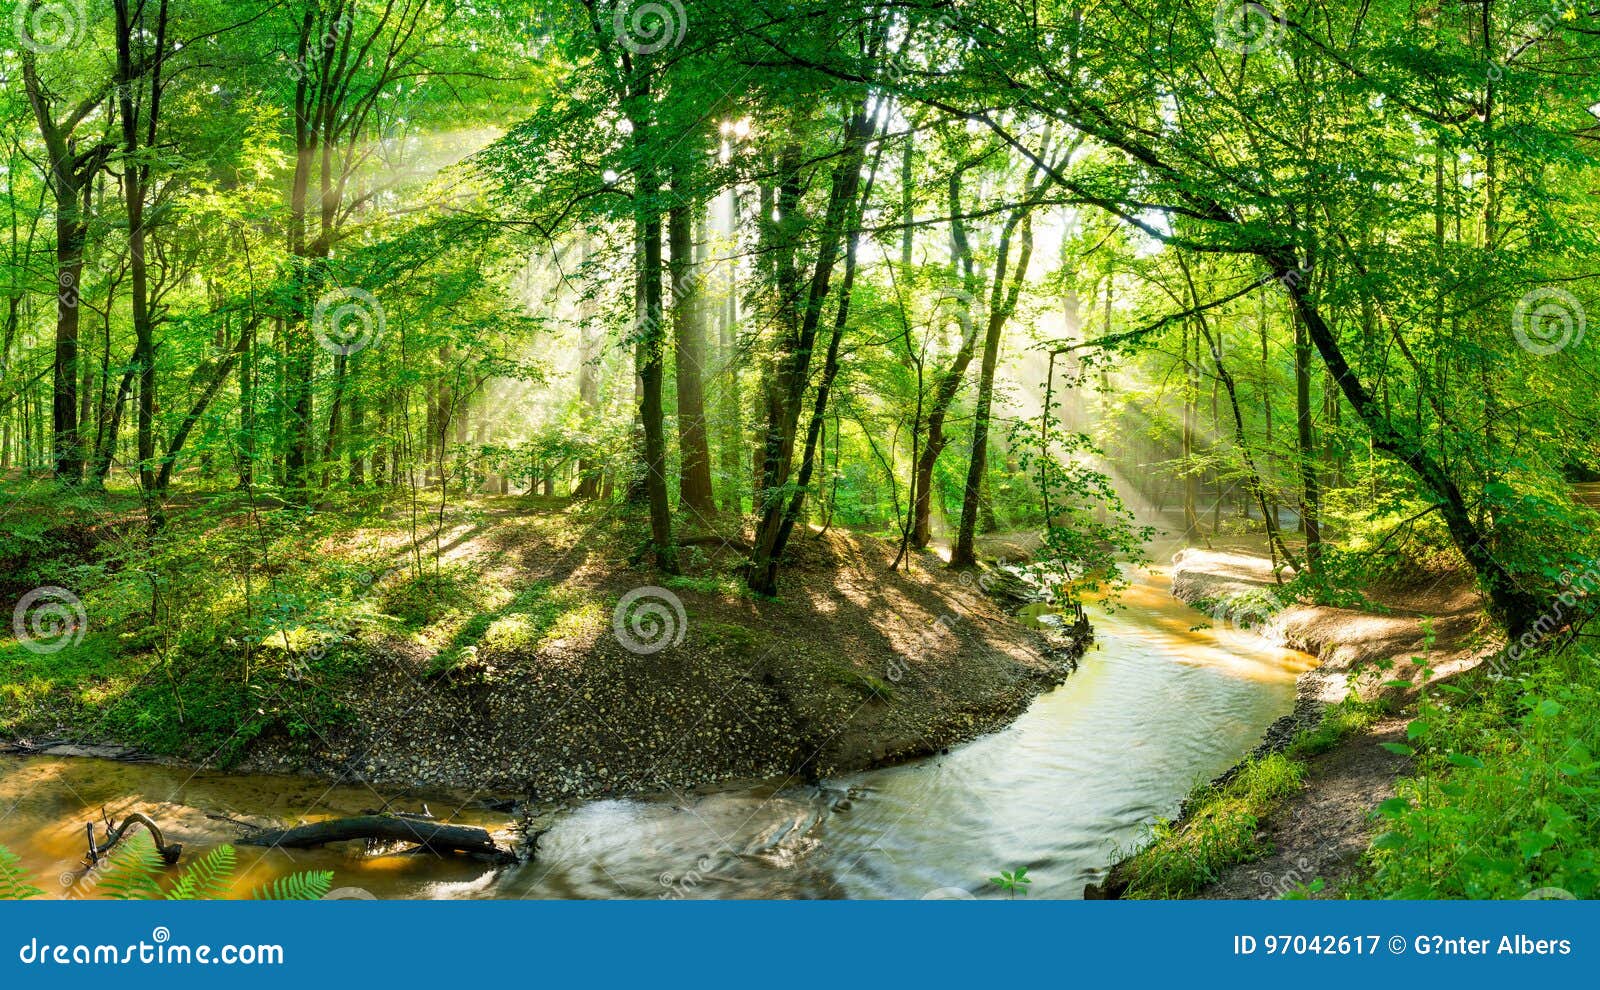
(207, 879)
(130, 871)
(14, 884)
(311, 885)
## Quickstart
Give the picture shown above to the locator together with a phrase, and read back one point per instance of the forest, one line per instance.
(534, 403)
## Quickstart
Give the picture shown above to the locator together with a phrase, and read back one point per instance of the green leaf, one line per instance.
(1463, 760)
(311, 885)
(206, 880)
(13, 881)
(1533, 843)
(1399, 749)
(1394, 807)
(1547, 708)
(130, 871)
(1418, 727)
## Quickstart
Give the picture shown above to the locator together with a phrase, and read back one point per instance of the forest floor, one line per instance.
(1320, 828)
(486, 645)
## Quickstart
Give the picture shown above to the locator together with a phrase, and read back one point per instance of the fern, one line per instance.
(13, 883)
(130, 871)
(207, 879)
(312, 885)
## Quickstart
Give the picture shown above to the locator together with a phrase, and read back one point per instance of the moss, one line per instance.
(740, 638)
(869, 687)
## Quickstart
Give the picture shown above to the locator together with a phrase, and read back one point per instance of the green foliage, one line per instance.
(13, 882)
(1088, 530)
(1501, 800)
(307, 885)
(1013, 882)
(206, 879)
(131, 871)
(1338, 723)
(134, 871)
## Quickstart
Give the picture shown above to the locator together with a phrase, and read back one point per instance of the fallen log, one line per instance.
(433, 836)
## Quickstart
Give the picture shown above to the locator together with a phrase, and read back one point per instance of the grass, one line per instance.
(1222, 823)
(1219, 831)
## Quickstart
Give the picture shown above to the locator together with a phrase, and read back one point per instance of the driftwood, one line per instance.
(169, 851)
(432, 836)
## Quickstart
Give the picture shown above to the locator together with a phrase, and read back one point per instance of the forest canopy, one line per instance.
(931, 268)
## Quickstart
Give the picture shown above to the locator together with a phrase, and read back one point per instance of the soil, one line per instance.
(852, 666)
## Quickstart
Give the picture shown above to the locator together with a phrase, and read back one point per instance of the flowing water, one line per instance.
(1156, 706)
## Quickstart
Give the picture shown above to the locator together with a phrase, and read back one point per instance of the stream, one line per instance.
(1155, 707)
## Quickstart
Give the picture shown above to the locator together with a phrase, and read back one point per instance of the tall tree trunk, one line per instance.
(1310, 488)
(689, 338)
(651, 329)
(1191, 480)
(135, 179)
(792, 373)
(589, 469)
(70, 176)
(247, 406)
(731, 401)
(1003, 303)
(949, 382)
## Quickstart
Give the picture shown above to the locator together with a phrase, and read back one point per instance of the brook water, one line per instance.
(1156, 706)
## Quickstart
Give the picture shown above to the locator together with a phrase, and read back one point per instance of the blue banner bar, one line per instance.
(431, 944)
